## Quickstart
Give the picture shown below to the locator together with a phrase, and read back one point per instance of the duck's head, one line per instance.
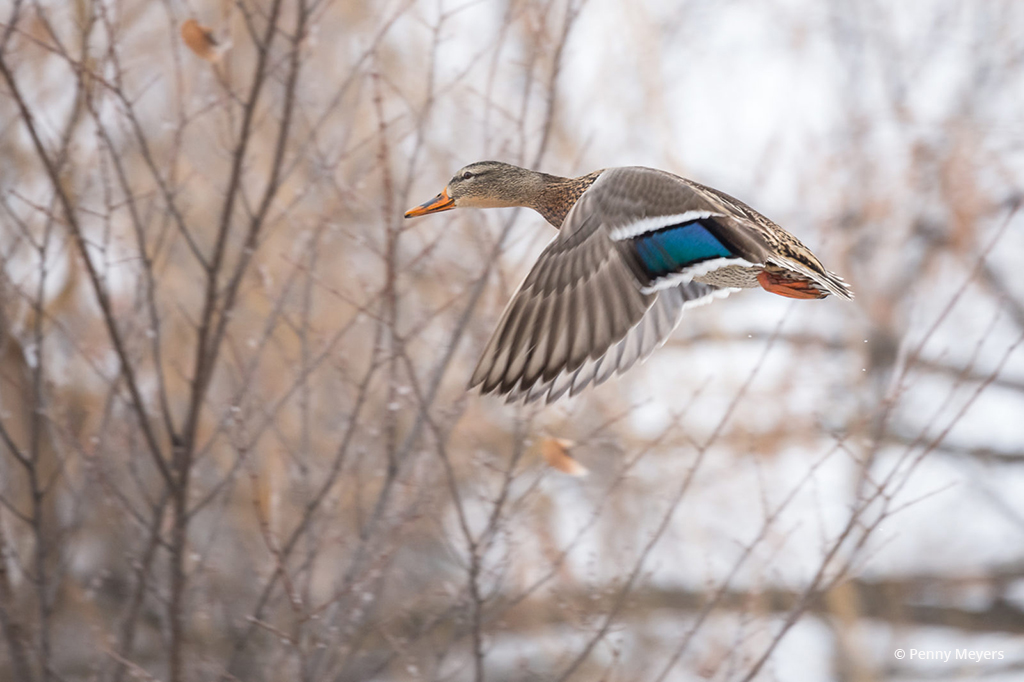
(485, 184)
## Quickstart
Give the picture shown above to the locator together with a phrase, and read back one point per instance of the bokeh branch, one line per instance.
(235, 440)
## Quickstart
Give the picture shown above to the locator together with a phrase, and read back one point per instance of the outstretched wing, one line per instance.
(606, 292)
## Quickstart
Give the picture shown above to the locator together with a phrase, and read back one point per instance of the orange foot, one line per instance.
(790, 288)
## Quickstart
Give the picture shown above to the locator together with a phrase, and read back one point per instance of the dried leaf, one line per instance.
(555, 452)
(201, 40)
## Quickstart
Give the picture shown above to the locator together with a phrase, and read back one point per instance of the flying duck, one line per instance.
(635, 248)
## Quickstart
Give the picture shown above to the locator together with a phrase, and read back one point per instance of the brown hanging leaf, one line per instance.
(201, 40)
(555, 452)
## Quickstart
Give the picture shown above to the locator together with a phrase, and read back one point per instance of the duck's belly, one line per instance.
(739, 276)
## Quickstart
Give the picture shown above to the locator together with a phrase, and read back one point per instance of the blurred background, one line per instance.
(236, 440)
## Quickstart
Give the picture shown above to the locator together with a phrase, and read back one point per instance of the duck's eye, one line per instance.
(467, 175)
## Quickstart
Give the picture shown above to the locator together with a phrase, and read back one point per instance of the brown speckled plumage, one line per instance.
(636, 246)
(561, 194)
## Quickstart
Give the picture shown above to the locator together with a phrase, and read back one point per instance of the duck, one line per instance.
(635, 248)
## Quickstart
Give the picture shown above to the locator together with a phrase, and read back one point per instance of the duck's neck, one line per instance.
(556, 195)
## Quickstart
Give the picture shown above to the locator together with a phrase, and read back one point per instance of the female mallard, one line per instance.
(635, 248)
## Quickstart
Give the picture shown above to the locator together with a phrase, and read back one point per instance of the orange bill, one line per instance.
(442, 202)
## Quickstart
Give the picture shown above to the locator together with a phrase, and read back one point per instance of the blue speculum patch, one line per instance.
(674, 248)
